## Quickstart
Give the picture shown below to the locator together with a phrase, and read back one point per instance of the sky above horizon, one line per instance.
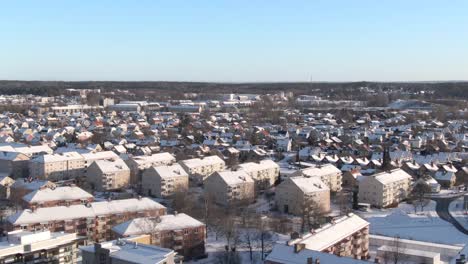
(234, 41)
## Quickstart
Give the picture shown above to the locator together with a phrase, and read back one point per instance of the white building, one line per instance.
(164, 181)
(265, 173)
(385, 188)
(200, 169)
(230, 187)
(328, 173)
(106, 175)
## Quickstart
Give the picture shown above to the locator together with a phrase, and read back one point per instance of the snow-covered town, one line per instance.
(92, 176)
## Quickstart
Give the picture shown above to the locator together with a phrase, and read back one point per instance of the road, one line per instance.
(442, 209)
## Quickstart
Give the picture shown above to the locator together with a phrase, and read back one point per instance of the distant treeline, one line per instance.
(455, 90)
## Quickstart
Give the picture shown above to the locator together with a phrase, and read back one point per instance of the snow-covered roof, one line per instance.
(59, 157)
(59, 213)
(325, 170)
(64, 193)
(109, 166)
(155, 158)
(234, 177)
(391, 176)
(170, 171)
(309, 185)
(262, 165)
(147, 225)
(444, 176)
(206, 161)
(101, 155)
(331, 233)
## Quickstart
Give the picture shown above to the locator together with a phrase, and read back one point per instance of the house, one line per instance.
(164, 181)
(56, 196)
(347, 236)
(445, 178)
(34, 247)
(296, 194)
(385, 189)
(328, 173)
(138, 164)
(107, 175)
(265, 173)
(200, 169)
(126, 251)
(179, 232)
(230, 187)
(14, 164)
(93, 220)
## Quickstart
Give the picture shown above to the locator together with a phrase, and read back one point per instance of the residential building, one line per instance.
(297, 194)
(56, 196)
(14, 164)
(200, 169)
(328, 173)
(21, 187)
(265, 173)
(40, 247)
(126, 251)
(230, 187)
(347, 236)
(138, 164)
(61, 166)
(92, 220)
(107, 175)
(385, 188)
(164, 181)
(179, 232)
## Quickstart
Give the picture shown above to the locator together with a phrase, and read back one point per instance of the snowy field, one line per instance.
(457, 211)
(404, 222)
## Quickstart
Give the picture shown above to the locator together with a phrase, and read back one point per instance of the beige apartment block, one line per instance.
(107, 175)
(328, 173)
(164, 181)
(230, 187)
(56, 167)
(265, 173)
(385, 188)
(200, 169)
(296, 194)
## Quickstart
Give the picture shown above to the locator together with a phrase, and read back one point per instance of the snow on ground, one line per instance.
(215, 246)
(458, 212)
(403, 222)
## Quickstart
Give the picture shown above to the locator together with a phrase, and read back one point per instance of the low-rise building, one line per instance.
(40, 247)
(265, 173)
(92, 220)
(385, 188)
(200, 169)
(21, 187)
(297, 194)
(14, 164)
(328, 173)
(347, 236)
(164, 181)
(230, 187)
(126, 251)
(107, 175)
(179, 232)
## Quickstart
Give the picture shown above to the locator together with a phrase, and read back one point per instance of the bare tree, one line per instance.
(394, 254)
(418, 195)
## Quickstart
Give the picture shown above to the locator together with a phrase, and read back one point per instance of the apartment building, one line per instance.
(14, 164)
(92, 220)
(179, 232)
(230, 187)
(55, 167)
(385, 188)
(347, 236)
(40, 247)
(265, 173)
(164, 181)
(296, 194)
(138, 164)
(108, 175)
(328, 173)
(200, 169)
(56, 196)
(91, 157)
(126, 251)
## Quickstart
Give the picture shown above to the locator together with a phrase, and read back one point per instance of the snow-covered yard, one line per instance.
(458, 212)
(424, 226)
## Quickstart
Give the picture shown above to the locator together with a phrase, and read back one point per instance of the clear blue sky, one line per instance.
(234, 41)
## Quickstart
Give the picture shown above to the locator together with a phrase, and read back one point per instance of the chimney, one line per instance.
(298, 247)
(135, 245)
(310, 260)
